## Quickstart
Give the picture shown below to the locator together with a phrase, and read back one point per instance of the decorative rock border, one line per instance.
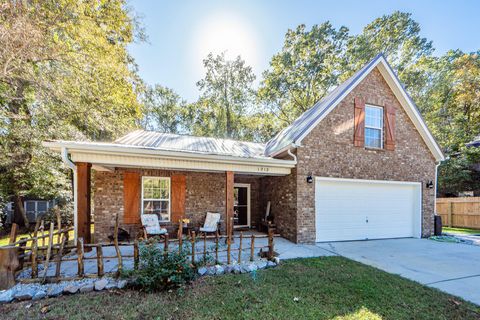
(237, 268)
(36, 291)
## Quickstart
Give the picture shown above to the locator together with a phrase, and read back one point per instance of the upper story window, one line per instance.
(156, 197)
(373, 127)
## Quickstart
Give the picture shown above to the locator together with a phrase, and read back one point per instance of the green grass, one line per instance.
(460, 230)
(4, 240)
(316, 288)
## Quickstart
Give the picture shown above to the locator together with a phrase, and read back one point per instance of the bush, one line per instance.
(159, 271)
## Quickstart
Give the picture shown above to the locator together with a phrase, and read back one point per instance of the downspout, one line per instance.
(289, 151)
(436, 186)
(72, 166)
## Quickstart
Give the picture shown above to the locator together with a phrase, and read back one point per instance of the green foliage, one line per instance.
(227, 99)
(158, 270)
(66, 75)
(461, 172)
(303, 72)
(165, 111)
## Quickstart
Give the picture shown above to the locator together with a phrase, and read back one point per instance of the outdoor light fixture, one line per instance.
(309, 178)
(429, 184)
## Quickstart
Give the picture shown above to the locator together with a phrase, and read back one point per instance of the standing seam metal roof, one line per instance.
(205, 145)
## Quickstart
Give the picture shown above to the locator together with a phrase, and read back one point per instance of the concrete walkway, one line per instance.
(451, 267)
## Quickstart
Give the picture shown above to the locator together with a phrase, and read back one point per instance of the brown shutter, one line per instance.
(389, 116)
(131, 197)
(179, 188)
(359, 123)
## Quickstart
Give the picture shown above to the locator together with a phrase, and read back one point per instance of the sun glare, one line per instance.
(225, 32)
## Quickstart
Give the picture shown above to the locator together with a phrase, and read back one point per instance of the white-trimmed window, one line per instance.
(156, 197)
(373, 127)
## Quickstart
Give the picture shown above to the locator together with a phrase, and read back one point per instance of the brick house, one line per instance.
(360, 164)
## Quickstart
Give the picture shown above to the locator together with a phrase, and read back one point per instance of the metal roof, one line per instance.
(303, 123)
(185, 143)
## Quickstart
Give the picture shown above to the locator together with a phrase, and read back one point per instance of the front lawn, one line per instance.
(316, 288)
(465, 231)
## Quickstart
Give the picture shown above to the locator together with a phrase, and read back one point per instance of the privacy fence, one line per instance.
(459, 212)
(53, 256)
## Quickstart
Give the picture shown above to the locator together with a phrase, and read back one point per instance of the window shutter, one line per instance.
(389, 116)
(131, 197)
(359, 123)
(179, 188)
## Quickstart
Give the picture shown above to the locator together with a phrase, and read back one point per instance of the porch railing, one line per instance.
(51, 255)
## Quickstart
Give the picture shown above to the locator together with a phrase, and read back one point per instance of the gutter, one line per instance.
(135, 150)
(71, 165)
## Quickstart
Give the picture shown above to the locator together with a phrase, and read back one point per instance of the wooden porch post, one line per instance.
(229, 202)
(83, 201)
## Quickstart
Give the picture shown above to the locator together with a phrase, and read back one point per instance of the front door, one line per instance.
(241, 205)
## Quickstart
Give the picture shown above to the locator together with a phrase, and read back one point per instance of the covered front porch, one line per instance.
(111, 179)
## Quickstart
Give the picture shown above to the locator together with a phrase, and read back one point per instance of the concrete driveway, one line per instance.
(450, 267)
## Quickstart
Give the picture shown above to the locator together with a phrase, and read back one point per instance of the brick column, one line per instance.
(83, 201)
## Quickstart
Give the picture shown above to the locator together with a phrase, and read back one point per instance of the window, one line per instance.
(156, 197)
(373, 127)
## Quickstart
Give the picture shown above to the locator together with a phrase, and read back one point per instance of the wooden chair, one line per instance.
(151, 226)
(211, 224)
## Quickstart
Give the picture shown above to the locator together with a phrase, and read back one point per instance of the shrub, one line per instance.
(160, 271)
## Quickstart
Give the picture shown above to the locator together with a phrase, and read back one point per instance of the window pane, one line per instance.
(373, 138)
(147, 183)
(374, 117)
(160, 208)
(30, 205)
(42, 206)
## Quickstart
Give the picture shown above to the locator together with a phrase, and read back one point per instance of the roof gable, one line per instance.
(293, 135)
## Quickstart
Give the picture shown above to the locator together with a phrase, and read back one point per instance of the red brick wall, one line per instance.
(282, 194)
(328, 151)
(205, 192)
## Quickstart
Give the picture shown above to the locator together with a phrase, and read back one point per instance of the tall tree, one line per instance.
(396, 35)
(450, 103)
(65, 72)
(164, 110)
(304, 71)
(227, 98)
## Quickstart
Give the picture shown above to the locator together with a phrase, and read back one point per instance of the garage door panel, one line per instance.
(360, 209)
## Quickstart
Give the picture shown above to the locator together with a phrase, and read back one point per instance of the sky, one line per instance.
(182, 33)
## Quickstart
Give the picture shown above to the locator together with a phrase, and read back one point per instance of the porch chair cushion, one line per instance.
(151, 224)
(211, 222)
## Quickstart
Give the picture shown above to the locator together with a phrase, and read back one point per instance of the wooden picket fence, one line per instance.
(463, 212)
(33, 251)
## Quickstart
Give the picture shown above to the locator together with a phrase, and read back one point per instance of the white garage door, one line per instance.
(348, 209)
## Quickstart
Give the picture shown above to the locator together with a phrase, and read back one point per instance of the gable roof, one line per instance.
(293, 135)
(192, 144)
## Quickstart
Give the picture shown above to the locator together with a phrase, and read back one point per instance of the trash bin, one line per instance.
(438, 225)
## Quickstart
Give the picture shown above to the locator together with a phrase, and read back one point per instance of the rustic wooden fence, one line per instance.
(459, 212)
(32, 252)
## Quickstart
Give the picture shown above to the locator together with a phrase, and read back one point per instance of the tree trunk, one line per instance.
(19, 214)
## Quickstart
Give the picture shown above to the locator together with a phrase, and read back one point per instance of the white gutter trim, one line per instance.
(288, 147)
(436, 187)
(292, 155)
(71, 165)
(122, 150)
